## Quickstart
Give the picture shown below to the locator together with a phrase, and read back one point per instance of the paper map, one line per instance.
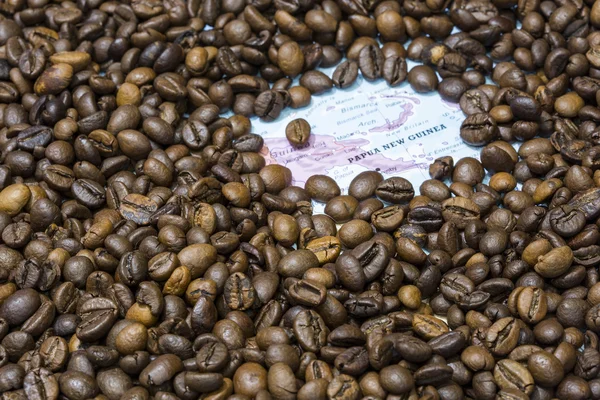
(369, 126)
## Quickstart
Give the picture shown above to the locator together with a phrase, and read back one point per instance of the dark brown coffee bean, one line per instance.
(395, 70)
(308, 293)
(478, 129)
(422, 79)
(545, 369)
(510, 374)
(395, 190)
(475, 101)
(370, 62)
(316, 82)
(345, 74)
(268, 105)
(310, 330)
(77, 384)
(298, 132)
(396, 379)
(98, 316)
(343, 387)
(353, 361)
(239, 292)
(161, 370)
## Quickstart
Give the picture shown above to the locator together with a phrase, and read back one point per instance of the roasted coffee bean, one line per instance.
(161, 370)
(322, 188)
(310, 330)
(448, 344)
(422, 79)
(137, 208)
(395, 70)
(239, 294)
(475, 101)
(343, 387)
(268, 105)
(370, 62)
(77, 384)
(316, 82)
(89, 193)
(306, 292)
(298, 132)
(395, 190)
(478, 129)
(502, 336)
(545, 369)
(350, 272)
(345, 74)
(532, 304)
(97, 317)
(554, 263)
(396, 379)
(354, 361)
(460, 211)
(510, 374)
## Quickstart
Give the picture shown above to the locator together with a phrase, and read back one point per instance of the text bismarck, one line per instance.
(396, 143)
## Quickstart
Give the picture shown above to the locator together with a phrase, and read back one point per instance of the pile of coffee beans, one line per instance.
(147, 251)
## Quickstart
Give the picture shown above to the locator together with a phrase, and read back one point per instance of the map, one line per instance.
(369, 126)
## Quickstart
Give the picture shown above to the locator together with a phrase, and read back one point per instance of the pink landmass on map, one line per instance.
(397, 123)
(323, 153)
(401, 96)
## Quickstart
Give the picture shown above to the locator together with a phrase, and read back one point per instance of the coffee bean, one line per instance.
(478, 129)
(370, 62)
(343, 387)
(298, 132)
(310, 330)
(308, 293)
(555, 262)
(322, 188)
(40, 383)
(503, 336)
(429, 327)
(422, 79)
(353, 361)
(510, 374)
(239, 292)
(532, 304)
(364, 184)
(395, 190)
(448, 344)
(268, 105)
(316, 82)
(396, 379)
(345, 74)
(19, 306)
(281, 381)
(545, 369)
(460, 211)
(77, 384)
(395, 70)
(97, 317)
(477, 359)
(161, 370)
(350, 272)
(54, 80)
